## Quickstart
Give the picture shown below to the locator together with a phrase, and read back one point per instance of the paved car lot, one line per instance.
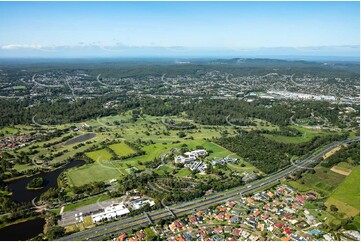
(72, 217)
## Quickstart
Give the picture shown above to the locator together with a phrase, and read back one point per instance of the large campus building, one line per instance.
(111, 212)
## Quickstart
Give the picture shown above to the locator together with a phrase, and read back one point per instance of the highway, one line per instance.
(117, 227)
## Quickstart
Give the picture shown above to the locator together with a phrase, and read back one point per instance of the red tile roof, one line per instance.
(300, 198)
(140, 234)
(286, 239)
(180, 238)
(203, 234)
(193, 220)
(237, 232)
(288, 215)
(221, 208)
(231, 204)
(220, 216)
(122, 237)
(287, 230)
(218, 230)
(256, 213)
(279, 225)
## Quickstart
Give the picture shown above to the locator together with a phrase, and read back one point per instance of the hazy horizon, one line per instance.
(179, 29)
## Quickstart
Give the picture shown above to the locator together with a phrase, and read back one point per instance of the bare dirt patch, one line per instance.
(339, 171)
(328, 154)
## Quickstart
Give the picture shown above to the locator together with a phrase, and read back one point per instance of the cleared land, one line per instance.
(330, 153)
(346, 196)
(340, 171)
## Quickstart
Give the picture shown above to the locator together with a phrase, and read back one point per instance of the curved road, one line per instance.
(117, 227)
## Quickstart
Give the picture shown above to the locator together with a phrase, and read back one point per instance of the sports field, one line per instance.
(95, 172)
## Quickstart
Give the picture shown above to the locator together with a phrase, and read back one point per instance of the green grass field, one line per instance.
(122, 149)
(8, 130)
(307, 135)
(164, 169)
(298, 186)
(98, 171)
(324, 180)
(131, 170)
(103, 170)
(184, 172)
(346, 196)
(99, 155)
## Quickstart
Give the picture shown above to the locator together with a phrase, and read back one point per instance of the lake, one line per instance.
(22, 231)
(21, 194)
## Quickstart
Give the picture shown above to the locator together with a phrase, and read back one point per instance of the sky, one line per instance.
(178, 28)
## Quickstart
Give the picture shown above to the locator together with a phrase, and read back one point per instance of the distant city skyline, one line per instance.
(112, 29)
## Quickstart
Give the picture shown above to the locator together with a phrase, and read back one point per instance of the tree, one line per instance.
(333, 208)
(181, 134)
(35, 183)
(55, 232)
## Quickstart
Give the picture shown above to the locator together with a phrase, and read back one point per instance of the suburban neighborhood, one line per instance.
(278, 214)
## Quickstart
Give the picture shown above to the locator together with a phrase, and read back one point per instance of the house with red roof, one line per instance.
(287, 230)
(279, 225)
(287, 216)
(122, 237)
(218, 230)
(180, 238)
(222, 209)
(199, 213)
(237, 232)
(220, 216)
(140, 235)
(256, 213)
(193, 220)
(202, 233)
(281, 190)
(300, 199)
(231, 204)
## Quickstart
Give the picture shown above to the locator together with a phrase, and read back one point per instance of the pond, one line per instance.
(22, 231)
(21, 194)
(81, 138)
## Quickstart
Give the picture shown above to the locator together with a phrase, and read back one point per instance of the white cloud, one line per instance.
(14, 47)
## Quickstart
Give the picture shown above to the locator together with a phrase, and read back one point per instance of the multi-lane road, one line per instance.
(117, 227)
